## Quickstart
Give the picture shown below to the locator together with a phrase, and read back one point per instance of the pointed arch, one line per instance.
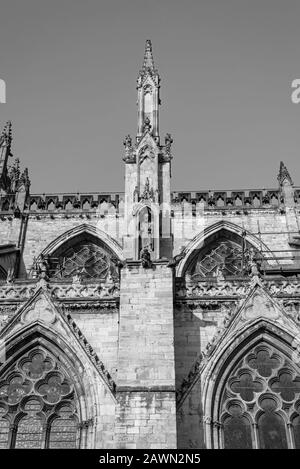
(57, 368)
(146, 216)
(112, 245)
(85, 251)
(243, 382)
(198, 242)
(44, 321)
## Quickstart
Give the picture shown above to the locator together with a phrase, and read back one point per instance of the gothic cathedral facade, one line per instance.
(148, 318)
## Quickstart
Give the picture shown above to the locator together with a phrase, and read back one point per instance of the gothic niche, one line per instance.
(260, 404)
(148, 101)
(223, 255)
(85, 259)
(145, 230)
(37, 405)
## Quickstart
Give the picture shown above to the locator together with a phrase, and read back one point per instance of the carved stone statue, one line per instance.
(145, 231)
(129, 152)
(219, 272)
(146, 258)
(252, 263)
(127, 142)
(168, 144)
(148, 191)
(44, 267)
(147, 125)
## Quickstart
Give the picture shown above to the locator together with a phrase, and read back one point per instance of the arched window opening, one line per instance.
(85, 258)
(63, 429)
(271, 427)
(224, 254)
(37, 405)
(29, 430)
(260, 401)
(237, 429)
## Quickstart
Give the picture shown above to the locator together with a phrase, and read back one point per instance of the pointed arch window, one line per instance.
(29, 429)
(271, 426)
(224, 254)
(237, 429)
(84, 257)
(38, 405)
(260, 403)
(63, 428)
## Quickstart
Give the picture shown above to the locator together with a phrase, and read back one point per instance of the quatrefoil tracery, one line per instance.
(37, 405)
(35, 365)
(36, 375)
(263, 382)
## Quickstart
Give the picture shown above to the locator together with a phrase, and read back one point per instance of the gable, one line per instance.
(42, 316)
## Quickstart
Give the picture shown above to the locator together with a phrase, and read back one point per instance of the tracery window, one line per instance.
(37, 405)
(224, 254)
(260, 405)
(85, 259)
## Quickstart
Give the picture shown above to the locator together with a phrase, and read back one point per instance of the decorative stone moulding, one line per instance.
(21, 292)
(233, 288)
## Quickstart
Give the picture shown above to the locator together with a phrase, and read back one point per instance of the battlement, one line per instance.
(56, 202)
(92, 201)
(234, 199)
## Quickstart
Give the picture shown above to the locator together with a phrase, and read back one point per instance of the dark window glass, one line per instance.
(296, 427)
(272, 431)
(237, 433)
(63, 430)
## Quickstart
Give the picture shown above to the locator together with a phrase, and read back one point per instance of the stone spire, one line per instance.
(148, 57)
(148, 84)
(284, 175)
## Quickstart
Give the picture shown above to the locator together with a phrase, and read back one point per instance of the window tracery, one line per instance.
(85, 259)
(260, 404)
(223, 257)
(37, 405)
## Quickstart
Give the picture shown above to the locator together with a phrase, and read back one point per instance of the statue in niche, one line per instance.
(145, 230)
(146, 258)
(148, 193)
(147, 125)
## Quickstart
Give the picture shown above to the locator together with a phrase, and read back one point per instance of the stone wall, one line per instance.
(146, 414)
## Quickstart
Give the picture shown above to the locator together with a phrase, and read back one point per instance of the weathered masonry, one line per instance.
(148, 318)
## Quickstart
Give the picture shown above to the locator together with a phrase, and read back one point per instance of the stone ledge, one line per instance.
(145, 389)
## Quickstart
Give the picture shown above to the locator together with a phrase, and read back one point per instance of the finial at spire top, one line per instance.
(148, 56)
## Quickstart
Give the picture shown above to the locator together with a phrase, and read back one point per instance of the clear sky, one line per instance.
(226, 67)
